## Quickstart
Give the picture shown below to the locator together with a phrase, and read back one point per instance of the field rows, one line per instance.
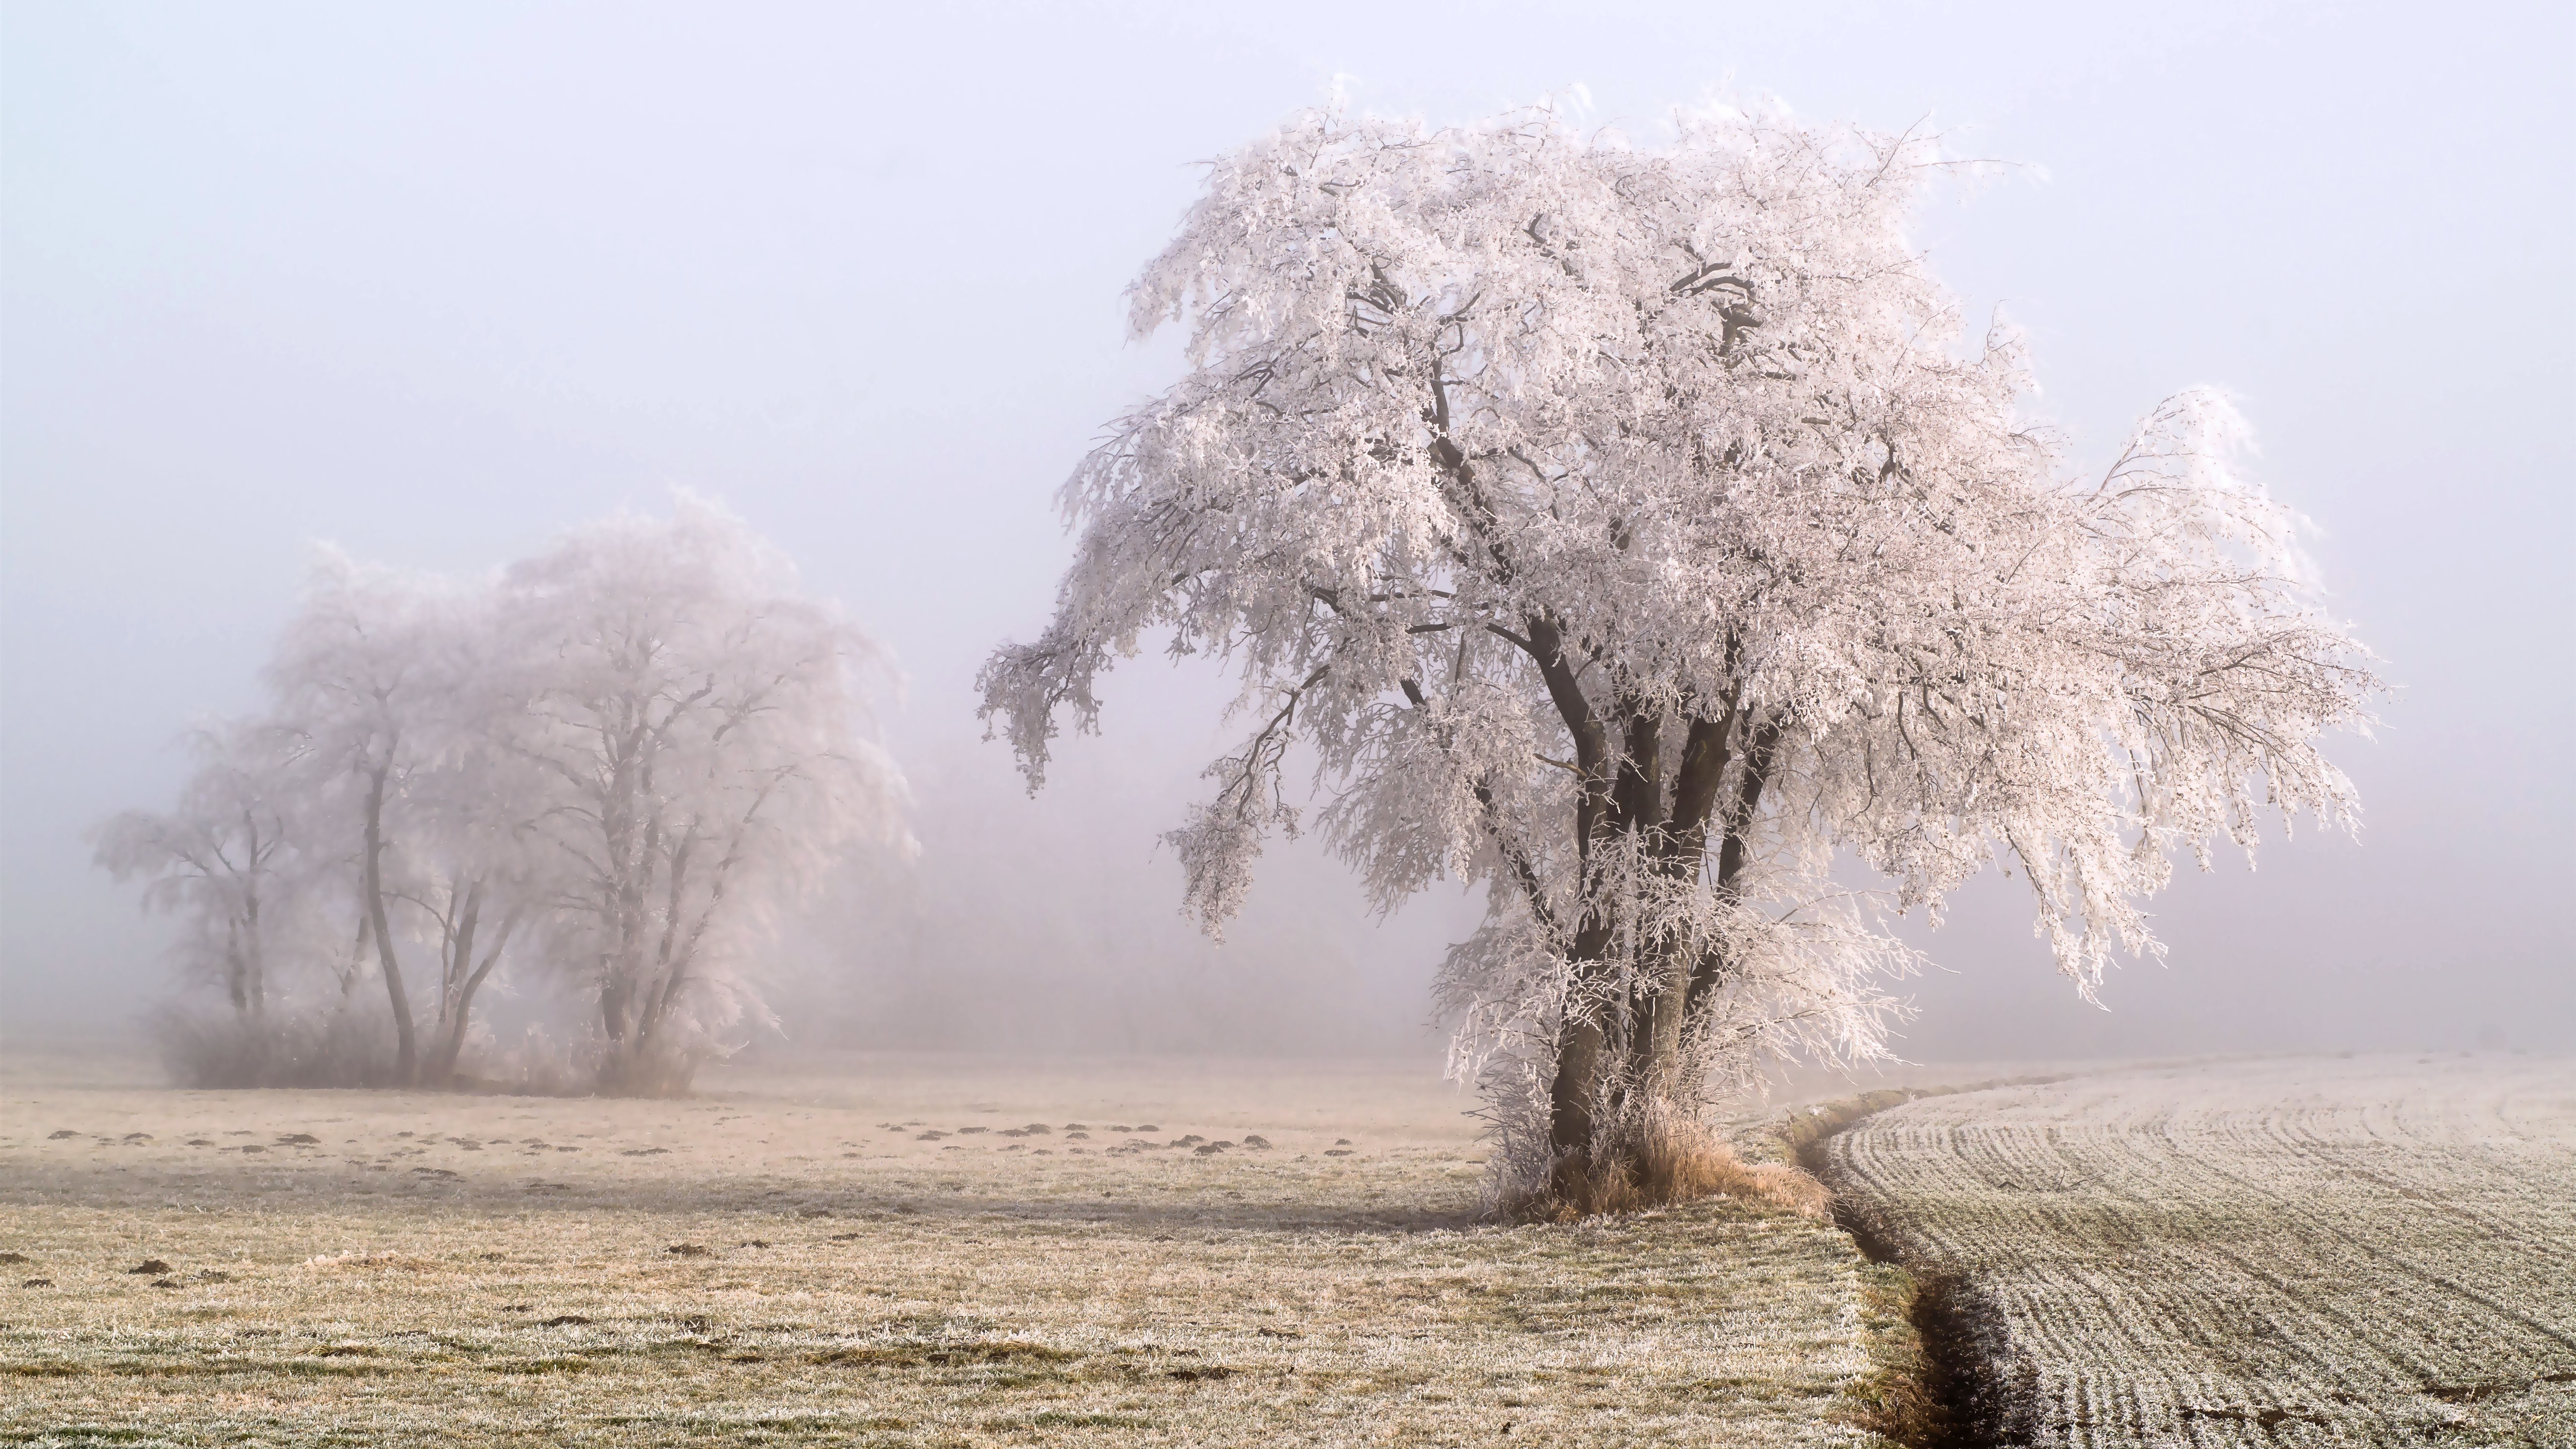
(2305, 1252)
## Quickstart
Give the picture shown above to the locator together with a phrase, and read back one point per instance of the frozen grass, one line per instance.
(792, 1259)
(2313, 1252)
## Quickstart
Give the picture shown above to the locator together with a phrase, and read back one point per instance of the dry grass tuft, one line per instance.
(1662, 1165)
(367, 1262)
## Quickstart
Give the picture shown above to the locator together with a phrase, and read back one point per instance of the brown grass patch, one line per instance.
(918, 1354)
(1355, 1299)
(1663, 1165)
(368, 1262)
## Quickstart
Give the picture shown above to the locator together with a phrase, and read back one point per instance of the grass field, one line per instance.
(2313, 1252)
(890, 1252)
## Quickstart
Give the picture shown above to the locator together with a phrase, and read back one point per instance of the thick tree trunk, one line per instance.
(405, 1053)
(1583, 1037)
(235, 973)
(1631, 1058)
(1585, 1049)
(1761, 755)
(632, 837)
(1574, 1095)
(1662, 1016)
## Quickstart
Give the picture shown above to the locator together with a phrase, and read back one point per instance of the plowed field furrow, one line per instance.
(2336, 1255)
(2341, 1255)
(2483, 1272)
(2495, 1198)
(2438, 1249)
(2335, 1252)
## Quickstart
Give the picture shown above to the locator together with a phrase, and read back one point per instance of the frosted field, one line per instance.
(2309, 1252)
(770, 1264)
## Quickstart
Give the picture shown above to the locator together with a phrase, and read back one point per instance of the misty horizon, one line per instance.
(269, 285)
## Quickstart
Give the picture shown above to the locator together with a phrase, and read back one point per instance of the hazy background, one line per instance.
(438, 284)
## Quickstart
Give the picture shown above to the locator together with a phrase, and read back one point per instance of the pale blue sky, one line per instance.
(438, 283)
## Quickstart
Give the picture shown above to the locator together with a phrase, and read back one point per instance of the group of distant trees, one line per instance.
(594, 775)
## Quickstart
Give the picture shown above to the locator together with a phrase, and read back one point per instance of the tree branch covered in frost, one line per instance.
(1629, 530)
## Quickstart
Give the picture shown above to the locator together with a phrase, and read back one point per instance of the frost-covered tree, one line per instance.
(1634, 530)
(476, 876)
(221, 860)
(372, 674)
(697, 748)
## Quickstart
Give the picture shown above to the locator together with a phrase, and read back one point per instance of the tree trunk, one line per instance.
(456, 962)
(452, 1042)
(1662, 1017)
(1582, 1047)
(357, 957)
(1761, 755)
(233, 970)
(405, 1054)
(1632, 1057)
(254, 959)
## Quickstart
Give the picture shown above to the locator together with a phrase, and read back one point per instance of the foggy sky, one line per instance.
(439, 284)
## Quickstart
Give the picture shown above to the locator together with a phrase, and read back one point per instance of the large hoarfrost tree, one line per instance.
(697, 731)
(1633, 530)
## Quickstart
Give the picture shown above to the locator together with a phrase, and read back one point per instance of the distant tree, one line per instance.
(1629, 530)
(696, 749)
(470, 823)
(221, 859)
(369, 674)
